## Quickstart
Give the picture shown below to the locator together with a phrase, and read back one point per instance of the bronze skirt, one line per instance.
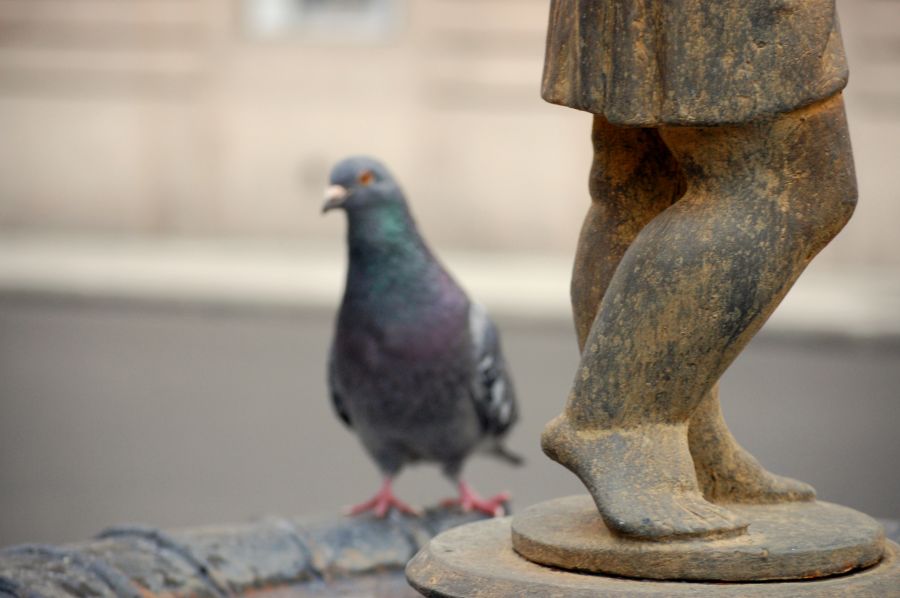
(692, 62)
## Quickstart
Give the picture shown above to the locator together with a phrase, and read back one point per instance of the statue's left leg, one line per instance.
(728, 473)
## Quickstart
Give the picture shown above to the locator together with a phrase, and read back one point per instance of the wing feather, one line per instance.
(493, 392)
(336, 396)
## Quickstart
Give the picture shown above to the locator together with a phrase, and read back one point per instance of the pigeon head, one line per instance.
(360, 183)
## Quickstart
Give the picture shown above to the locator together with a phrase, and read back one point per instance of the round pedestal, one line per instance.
(477, 561)
(797, 540)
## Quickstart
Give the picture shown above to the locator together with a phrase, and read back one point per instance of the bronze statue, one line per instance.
(722, 165)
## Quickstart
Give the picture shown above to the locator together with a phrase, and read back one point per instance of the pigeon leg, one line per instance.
(383, 501)
(470, 501)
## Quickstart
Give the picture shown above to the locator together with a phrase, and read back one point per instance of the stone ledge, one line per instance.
(332, 556)
(278, 557)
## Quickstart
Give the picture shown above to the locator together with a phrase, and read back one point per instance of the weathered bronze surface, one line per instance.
(722, 166)
(693, 237)
(662, 307)
(785, 541)
(477, 561)
(688, 62)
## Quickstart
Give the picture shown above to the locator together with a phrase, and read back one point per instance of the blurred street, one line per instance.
(167, 284)
(181, 416)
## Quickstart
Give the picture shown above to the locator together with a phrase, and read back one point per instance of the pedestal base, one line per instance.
(477, 561)
(794, 540)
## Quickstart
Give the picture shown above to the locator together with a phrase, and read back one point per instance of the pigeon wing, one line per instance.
(337, 400)
(495, 398)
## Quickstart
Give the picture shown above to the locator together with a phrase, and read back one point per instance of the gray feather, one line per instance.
(337, 402)
(494, 395)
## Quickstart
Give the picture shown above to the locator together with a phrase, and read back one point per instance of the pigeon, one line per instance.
(415, 368)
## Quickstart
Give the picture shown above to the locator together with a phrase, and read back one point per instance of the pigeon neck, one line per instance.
(387, 230)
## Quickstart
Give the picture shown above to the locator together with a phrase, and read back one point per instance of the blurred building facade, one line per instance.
(222, 118)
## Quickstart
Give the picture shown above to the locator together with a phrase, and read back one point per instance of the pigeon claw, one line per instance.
(469, 501)
(382, 503)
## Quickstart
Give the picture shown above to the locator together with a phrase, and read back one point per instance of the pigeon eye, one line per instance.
(366, 177)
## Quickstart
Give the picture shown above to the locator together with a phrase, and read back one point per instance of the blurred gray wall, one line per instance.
(185, 417)
(222, 118)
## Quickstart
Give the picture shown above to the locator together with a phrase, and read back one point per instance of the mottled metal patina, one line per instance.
(478, 561)
(691, 62)
(669, 286)
(722, 166)
(790, 540)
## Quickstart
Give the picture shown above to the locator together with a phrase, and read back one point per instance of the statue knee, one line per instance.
(825, 207)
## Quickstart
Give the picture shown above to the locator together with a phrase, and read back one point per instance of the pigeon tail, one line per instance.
(501, 452)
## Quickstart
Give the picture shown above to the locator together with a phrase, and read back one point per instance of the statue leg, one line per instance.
(694, 286)
(728, 473)
(634, 177)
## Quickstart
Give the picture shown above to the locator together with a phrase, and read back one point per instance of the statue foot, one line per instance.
(736, 476)
(728, 473)
(642, 480)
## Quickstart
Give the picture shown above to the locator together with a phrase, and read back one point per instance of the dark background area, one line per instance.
(180, 416)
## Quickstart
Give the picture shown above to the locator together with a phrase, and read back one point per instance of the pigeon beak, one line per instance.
(335, 195)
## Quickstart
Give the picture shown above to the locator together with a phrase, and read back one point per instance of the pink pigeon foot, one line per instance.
(382, 502)
(470, 501)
